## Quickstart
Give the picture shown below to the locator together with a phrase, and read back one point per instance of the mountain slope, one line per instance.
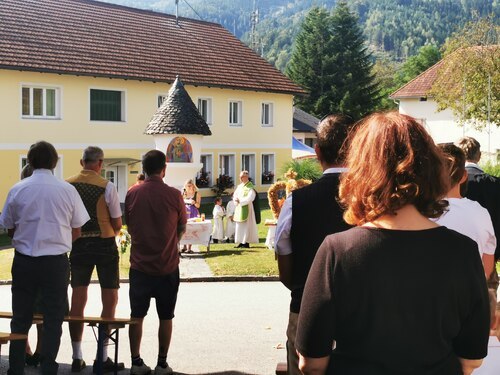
(395, 28)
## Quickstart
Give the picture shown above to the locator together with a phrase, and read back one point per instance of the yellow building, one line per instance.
(78, 73)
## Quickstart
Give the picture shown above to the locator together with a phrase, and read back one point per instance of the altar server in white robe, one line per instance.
(229, 232)
(218, 214)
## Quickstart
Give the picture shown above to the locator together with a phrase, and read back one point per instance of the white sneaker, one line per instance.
(163, 370)
(140, 370)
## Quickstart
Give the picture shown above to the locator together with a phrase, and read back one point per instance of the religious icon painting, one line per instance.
(179, 150)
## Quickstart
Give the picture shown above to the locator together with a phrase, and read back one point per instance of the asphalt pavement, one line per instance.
(220, 327)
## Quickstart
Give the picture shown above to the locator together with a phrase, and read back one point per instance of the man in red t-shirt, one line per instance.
(156, 219)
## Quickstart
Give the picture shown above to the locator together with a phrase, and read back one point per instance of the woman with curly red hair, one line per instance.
(398, 294)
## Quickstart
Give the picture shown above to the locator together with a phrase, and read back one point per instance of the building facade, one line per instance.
(80, 72)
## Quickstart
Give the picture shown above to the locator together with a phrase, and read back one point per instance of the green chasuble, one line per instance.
(241, 212)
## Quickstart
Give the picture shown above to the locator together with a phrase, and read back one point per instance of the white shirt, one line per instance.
(472, 220)
(283, 243)
(42, 210)
(112, 201)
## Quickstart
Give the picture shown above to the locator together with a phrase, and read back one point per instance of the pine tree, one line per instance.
(331, 62)
(308, 65)
(356, 92)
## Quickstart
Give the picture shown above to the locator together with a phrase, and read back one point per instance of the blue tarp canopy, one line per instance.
(300, 150)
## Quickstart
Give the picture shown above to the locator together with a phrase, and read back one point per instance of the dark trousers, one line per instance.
(48, 275)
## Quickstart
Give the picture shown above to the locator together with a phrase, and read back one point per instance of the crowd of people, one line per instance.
(385, 257)
(240, 216)
(388, 256)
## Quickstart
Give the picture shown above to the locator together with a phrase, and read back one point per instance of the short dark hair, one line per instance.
(470, 147)
(455, 161)
(331, 135)
(153, 162)
(42, 155)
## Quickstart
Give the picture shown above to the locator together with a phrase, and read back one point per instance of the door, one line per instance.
(117, 174)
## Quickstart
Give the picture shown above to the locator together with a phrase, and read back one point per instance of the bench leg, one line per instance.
(100, 347)
(116, 351)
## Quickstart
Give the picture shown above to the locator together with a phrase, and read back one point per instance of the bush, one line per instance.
(222, 183)
(308, 169)
(491, 169)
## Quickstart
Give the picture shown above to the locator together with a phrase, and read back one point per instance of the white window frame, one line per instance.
(252, 169)
(231, 173)
(273, 169)
(239, 113)
(210, 168)
(44, 87)
(208, 120)
(58, 170)
(270, 120)
(123, 105)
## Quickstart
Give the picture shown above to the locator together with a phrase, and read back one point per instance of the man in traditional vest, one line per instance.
(244, 215)
(308, 215)
(95, 249)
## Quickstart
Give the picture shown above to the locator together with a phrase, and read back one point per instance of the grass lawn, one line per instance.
(223, 259)
(4, 240)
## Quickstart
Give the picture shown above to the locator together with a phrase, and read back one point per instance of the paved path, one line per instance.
(194, 265)
(220, 328)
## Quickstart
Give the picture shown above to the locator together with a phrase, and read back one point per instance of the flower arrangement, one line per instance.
(278, 192)
(267, 177)
(203, 180)
(124, 239)
(222, 183)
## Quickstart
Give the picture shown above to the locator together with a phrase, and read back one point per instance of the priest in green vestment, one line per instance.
(244, 215)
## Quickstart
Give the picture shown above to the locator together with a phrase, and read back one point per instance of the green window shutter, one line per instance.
(105, 105)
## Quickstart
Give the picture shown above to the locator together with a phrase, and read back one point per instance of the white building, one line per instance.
(443, 126)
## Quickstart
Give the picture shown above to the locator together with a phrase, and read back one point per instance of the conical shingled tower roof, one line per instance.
(177, 114)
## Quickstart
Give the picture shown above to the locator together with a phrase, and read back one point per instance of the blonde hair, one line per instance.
(189, 182)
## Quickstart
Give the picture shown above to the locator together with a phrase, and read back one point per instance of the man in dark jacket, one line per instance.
(307, 217)
(484, 189)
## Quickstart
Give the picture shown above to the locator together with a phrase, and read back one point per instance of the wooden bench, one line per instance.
(102, 325)
(282, 368)
(6, 337)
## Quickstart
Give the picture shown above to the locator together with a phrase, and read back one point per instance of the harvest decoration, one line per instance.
(278, 191)
(124, 239)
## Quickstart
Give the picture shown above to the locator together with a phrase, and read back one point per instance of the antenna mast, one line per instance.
(177, 12)
(254, 19)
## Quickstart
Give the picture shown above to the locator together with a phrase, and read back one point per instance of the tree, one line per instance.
(330, 61)
(308, 65)
(384, 69)
(427, 56)
(468, 79)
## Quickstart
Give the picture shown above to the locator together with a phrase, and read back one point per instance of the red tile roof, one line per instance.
(419, 86)
(85, 37)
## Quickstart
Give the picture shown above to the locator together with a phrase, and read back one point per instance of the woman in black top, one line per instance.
(398, 294)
